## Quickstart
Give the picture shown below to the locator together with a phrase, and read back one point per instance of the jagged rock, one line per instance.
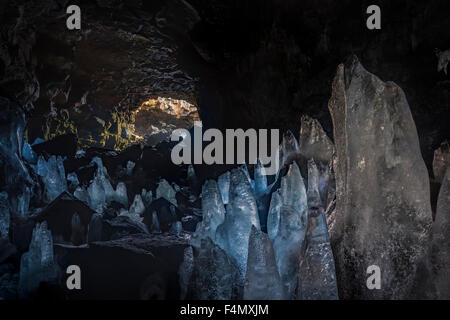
(441, 161)
(59, 216)
(214, 276)
(213, 213)
(441, 241)
(317, 275)
(314, 142)
(131, 261)
(122, 226)
(241, 213)
(261, 265)
(383, 213)
(63, 145)
(38, 264)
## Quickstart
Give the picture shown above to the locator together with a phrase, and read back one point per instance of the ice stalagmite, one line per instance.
(273, 218)
(38, 264)
(96, 195)
(289, 149)
(289, 238)
(224, 186)
(242, 212)
(102, 175)
(383, 212)
(166, 191)
(95, 228)
(213, 213)
(214, 276)
(260, 180)
(317, 276)
(53, 177)
(121, 195)
(262, 280)
(441, 240)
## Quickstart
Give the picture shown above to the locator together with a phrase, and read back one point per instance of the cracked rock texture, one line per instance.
(383, 214)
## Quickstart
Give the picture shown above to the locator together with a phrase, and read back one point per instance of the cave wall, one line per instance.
(245, 63)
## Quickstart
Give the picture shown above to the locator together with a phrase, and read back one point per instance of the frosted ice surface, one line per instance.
(224, 186)
(53, 177)
(137, 207)
(38, 264)
(273, 218)
(147, 197)
(242, 212)
(166, 191)
(213, 213)
(262, 280)
(81, 194)
(28, 153)
(260, 180)
(121, 195)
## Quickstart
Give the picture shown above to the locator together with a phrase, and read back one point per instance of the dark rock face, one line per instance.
(134, 267)
(383, 214)
(213, 275)
(441, 241)
(60, 214)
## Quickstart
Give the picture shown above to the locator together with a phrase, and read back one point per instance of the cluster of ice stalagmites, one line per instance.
(38, 265)
(292, 260)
